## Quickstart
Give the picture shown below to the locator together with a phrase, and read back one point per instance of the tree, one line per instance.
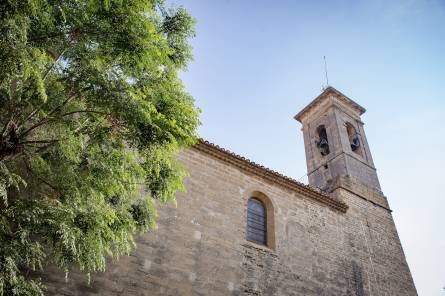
(91, 110)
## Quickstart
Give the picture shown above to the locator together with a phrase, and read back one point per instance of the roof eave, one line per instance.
(270, 175)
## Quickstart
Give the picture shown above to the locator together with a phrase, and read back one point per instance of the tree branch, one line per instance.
(28, 167)
(37, 109)
(6, 126)
(71, 95)
(46, 120)
(43, 149)
(40, 141)
(74, 34)
(85, 111)
(40, 123)
(54, 64)
(50, 35)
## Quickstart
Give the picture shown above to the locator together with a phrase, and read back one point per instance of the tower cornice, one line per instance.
(325, 95)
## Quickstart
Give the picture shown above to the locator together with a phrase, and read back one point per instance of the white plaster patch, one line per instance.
(230, 286)
(197, 234)
(241, 191)
(192, 277)
(147, 264)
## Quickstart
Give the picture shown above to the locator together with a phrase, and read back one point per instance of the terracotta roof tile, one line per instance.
(271, 175)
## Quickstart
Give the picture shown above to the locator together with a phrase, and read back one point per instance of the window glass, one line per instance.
(256, 222)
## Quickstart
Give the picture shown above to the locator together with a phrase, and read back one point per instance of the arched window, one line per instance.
(322, 142)
(354, 139)
(256, 222)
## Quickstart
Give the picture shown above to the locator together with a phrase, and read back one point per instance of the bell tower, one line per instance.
(337, 152)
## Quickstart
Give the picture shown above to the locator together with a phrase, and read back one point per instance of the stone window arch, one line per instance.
(322, 142)
(354, 138)
(260, 220)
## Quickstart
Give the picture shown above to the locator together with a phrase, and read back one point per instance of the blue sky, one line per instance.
(257, 63)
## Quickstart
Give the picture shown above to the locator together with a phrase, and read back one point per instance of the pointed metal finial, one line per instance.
(326, 71)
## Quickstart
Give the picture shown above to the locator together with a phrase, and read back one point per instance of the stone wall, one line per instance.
(199, 247)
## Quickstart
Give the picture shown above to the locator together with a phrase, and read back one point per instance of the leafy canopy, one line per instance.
(91, 111)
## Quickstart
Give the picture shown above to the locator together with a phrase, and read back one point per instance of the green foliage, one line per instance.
(91, 114)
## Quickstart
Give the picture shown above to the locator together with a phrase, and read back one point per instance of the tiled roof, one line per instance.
(270, 175)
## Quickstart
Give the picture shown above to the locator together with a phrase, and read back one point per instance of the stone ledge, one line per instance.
(372, 195)
(257, 247)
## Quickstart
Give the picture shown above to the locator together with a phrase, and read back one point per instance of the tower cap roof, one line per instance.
(330, 90)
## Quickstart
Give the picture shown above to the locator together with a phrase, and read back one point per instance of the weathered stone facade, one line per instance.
(342, 243)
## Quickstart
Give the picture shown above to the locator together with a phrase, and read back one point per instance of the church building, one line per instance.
(243, 229)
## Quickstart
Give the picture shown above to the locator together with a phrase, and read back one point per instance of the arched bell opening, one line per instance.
(354, 138)
(322, 142)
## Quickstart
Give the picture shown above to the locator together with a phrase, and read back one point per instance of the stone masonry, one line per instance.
(339, 242)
